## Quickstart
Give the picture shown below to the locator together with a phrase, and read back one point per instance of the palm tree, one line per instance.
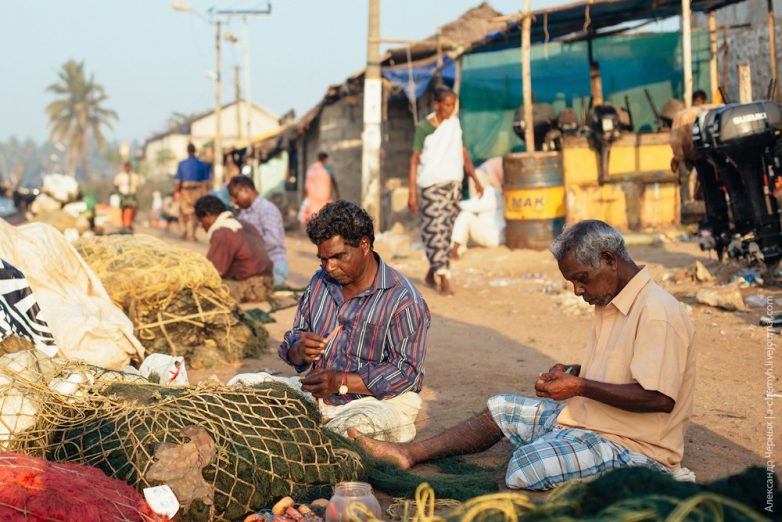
(77, 114)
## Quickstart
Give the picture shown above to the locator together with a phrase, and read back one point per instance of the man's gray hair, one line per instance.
(587, 240)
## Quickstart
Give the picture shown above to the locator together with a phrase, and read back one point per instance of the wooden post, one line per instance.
(526, 78)
(595, 80)
(715, 97)
(687, 52)
(772, 47)
(745, 83)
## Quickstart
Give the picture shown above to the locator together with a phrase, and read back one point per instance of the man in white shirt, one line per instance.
(481, 219)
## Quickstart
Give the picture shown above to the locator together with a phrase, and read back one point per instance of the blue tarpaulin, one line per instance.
(423, 72)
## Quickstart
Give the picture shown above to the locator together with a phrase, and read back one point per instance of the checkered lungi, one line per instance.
(439, 208)
(546, 454)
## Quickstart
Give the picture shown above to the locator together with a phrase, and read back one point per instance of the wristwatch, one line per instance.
(343, 388)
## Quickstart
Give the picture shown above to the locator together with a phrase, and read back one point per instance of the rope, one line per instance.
(174, 297)
(545, 31)
(587, 19)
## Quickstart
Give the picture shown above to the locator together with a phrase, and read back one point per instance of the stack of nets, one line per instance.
(175, 298)
(32, 490)
(265, 441)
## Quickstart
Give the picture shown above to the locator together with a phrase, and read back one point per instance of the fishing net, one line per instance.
(224, 451)
(175, 299)
(32, 490)
(627, 494)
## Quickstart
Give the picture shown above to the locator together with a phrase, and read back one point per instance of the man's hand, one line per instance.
(558, 386)
(321, 383)
(478, 187)
(308, 349)
(412, 202)
(572, 369)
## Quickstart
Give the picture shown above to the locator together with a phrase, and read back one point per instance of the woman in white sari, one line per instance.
(437, 168)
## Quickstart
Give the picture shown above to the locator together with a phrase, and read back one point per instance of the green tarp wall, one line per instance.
(490, 89)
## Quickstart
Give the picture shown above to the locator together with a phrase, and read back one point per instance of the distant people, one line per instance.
(236, 250)
(437, 167)
(320, 187)
(481, 220)
(699, 98)
(126, 183)
(170, 210)
(190, 183)
(267, 220)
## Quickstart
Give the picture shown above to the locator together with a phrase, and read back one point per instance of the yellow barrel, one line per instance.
(534, 193)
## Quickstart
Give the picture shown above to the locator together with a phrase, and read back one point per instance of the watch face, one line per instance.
(343, 389)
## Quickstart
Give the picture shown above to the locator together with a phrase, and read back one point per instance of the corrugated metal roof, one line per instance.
(591, 17)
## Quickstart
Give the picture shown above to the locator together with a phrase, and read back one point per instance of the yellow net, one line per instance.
(146, 269)
(174, 297)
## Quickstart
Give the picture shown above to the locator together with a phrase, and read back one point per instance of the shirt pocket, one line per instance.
(366, 343)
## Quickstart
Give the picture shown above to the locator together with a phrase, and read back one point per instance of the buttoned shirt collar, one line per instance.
(626, 297)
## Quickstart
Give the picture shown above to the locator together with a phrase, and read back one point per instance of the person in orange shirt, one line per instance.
(629, 401)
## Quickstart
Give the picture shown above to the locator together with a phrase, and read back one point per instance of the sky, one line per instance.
(153, 60)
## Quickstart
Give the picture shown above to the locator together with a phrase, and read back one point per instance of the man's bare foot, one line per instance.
(391, 452)
(455, 251)
(445, 286)
(429, 279)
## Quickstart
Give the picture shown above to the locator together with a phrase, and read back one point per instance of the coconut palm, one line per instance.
(78, 114)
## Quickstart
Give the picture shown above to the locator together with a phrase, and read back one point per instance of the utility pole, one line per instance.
(218, 147)
(247, 87)
(238, 97)
(373, 96)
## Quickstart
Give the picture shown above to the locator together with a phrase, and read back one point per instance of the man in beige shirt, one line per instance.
(627, 404)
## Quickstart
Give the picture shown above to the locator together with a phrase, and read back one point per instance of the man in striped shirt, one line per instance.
(360, 330)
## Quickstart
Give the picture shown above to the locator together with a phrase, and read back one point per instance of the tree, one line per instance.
(77, 114)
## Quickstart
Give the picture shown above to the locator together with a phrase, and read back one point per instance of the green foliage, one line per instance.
(78, 113)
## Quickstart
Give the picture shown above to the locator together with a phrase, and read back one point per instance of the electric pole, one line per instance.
(218, 148)
(373, 97)
(238, 96)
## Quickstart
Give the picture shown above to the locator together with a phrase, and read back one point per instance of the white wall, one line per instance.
(262, 121)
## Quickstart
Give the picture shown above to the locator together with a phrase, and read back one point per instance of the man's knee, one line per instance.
(529, 470)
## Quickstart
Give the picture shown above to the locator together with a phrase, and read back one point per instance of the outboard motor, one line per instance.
(604, 129)
(715, 231)
(744, 143)
(544, 121)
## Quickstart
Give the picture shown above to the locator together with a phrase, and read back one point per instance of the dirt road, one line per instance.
(502, 329)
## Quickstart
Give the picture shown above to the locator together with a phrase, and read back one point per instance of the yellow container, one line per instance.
(632, 156)
(534, 199)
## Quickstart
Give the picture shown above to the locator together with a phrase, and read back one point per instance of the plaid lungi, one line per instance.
(546, 454)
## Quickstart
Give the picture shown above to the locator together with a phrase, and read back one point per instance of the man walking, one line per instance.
(190, 183)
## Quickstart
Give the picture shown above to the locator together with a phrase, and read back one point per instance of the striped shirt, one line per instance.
(267, 220)
(381, 332)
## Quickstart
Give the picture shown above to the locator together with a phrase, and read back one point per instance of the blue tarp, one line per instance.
(423, 72)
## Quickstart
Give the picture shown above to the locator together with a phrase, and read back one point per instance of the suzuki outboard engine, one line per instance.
(743, 141)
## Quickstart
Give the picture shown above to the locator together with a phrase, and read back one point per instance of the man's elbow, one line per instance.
(664, 403)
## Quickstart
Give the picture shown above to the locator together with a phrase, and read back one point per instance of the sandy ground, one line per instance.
(502, 329)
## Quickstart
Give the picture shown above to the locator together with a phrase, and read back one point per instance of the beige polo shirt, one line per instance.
(643, 335)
